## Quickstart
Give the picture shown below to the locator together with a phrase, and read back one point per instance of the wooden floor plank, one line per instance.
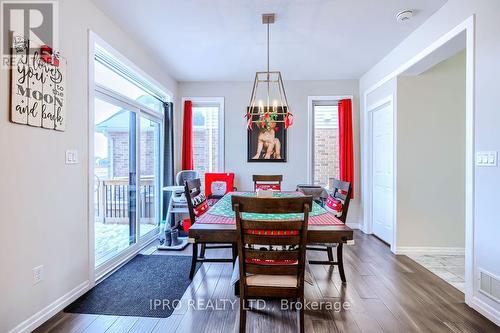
(74, 323)
(386, 293)
(101, 324)
(122, 324)
(144, 325)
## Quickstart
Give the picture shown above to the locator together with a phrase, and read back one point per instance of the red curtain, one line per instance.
(346, 151)
(187, 137)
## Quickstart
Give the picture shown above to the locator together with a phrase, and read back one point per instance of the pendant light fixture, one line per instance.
(268, 103)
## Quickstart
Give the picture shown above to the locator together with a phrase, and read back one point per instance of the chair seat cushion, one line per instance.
(200, 205)
(285, 281)
(334, 206)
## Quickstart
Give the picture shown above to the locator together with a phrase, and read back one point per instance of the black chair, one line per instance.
(193, 194)
(341, 191)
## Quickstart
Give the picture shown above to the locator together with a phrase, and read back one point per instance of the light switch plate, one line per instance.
(486, 158)
(38, 274)
(71, 157)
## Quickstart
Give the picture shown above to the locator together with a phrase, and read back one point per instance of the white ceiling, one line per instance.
(223, 40)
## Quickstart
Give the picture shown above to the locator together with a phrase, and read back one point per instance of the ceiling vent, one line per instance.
(404, 15)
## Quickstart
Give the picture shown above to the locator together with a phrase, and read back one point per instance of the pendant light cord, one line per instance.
(268, 74)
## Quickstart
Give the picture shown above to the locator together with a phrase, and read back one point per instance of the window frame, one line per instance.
(96, 90)
(212, 101)
(311, 102)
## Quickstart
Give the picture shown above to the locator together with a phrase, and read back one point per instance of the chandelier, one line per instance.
(268, 103)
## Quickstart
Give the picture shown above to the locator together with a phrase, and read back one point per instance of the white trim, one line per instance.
(90, 153)
(53, 308)
(130, 102)
(486, 310)
(222, 133)
(468, 26)
(368, 207)
(310, 130)
(125, 61)
(409, 250)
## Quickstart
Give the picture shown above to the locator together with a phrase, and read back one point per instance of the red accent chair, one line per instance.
(217, 185)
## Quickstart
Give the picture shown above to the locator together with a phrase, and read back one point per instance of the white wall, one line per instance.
(237, 95)
(431, 157)
(487, 118)
(43, 213)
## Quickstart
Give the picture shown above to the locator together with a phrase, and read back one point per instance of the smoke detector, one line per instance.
(404, 15)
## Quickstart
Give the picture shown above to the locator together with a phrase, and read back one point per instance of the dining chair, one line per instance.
(277, 273)
(197, 206)
(337, 203)
(267, 182)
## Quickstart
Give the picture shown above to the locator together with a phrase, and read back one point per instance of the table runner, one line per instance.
(222, 212)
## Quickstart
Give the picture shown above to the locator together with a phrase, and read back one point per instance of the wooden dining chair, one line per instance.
(337, 203)
(197, 206)
(277, 273)
(267, 182)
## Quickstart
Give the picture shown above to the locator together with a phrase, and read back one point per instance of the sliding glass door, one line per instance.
(127, 163)
(114, 178)
(127, 152)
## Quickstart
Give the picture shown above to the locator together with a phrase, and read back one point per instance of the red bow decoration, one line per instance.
(248, 116)
(48, 56)
(288, 120)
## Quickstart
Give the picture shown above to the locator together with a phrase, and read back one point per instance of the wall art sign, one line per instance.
(38, 96)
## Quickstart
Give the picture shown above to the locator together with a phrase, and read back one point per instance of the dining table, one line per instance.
(218, 225)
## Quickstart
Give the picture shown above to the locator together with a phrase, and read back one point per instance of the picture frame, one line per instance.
(270, 132)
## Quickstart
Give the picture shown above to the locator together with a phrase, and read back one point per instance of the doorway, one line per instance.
(382, 170)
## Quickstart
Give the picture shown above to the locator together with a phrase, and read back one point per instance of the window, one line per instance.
(208, 136)
(128, 127)
(325, 145)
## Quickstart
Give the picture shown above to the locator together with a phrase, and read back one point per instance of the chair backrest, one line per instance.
(212, 179)
(196, 201)
(290, 235)
(184, 175)
(341, 190)
(267, 182)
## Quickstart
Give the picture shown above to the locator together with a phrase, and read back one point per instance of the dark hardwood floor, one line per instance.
(384, 293)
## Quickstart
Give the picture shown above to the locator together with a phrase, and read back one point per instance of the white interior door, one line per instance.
(382, 172)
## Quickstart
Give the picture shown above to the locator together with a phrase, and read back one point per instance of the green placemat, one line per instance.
(223, 208)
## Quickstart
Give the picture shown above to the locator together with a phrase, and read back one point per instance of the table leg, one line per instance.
(340, 262)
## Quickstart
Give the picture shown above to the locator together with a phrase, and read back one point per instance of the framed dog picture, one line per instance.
(267, 138)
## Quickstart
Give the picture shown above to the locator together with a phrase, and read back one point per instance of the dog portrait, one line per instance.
(267, 138)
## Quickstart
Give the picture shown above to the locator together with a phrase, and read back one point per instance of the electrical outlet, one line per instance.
(350, 242)
(38, 274)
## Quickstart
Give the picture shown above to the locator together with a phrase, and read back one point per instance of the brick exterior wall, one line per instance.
(118, 146)
(206, 141)
(326, 155)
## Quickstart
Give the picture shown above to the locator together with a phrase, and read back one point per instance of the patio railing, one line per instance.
(111, 197)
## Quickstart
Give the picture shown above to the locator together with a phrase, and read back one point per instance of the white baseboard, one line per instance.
(430, 250)
(48, 312)
(353, 225)
(486, 310)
